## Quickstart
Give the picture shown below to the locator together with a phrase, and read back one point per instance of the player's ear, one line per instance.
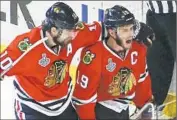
(50, 39)
(53, 31)
(111, 32)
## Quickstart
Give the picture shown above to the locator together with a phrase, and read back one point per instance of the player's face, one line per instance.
(125, 34)
(63, 37)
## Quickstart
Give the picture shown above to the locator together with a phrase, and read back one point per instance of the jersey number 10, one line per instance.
(7, 62)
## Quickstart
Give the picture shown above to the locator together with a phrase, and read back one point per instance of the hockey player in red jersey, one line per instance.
(113, 73)
(40, 60)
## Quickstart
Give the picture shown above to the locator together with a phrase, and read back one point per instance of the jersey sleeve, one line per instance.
(13, 53)
(143, 88)
(88, 34)
(85, 93)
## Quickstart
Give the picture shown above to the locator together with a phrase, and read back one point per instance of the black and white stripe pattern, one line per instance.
(78, 101)
(119, 104)
(168, 6)
(115, 105)
(144, 75)
(125, 99)
(51, 107)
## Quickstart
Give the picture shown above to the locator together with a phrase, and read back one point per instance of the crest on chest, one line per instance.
(56, 73)
(122, 82)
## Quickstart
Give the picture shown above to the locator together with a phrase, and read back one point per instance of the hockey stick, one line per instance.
(138, 114)
(18, 59)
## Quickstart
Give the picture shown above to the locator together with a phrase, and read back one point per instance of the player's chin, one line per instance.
(67, 41)
(127, 46)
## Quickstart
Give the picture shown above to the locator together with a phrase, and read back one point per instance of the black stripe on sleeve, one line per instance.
(151, 5)
(170, 7)
(160, 6)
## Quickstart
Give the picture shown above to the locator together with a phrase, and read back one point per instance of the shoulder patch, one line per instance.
(80, 26)
(88, 57)
(24, 44)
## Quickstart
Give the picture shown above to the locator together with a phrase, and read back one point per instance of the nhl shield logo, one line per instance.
(111, 65)
(44, 61)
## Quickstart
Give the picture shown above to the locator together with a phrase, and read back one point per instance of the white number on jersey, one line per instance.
(92, 26)
(7, 62)
(83, 82)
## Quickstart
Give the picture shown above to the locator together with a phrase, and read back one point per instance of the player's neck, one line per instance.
(116, 48)
(113, 45)
(55, 48)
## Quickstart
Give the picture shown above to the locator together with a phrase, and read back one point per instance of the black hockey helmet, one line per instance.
(118, 16)
(60, 15)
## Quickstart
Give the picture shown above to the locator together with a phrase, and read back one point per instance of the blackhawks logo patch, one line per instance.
(88, 57)
(56, 73)
(122, 82)
(24, 45)
(80, 26)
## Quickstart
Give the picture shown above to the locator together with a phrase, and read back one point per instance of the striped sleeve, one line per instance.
(162, 6)
(85, 93)
(143, 92)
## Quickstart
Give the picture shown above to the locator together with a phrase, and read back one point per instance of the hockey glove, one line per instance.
(145, 34)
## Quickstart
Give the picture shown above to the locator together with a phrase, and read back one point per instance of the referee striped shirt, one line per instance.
(166, 6)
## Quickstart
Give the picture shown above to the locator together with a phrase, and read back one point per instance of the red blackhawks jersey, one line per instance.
(103, 75)
(42, 76)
